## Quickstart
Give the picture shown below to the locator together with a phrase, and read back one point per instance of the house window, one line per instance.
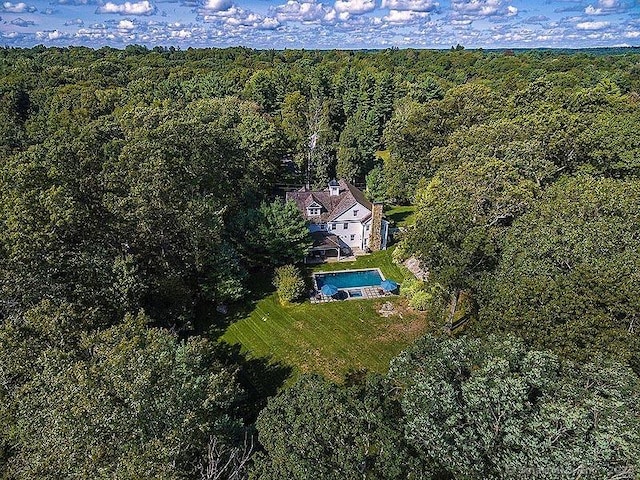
(322, 226)
(346, 225)
(355, 213)
(334, 226)
(353, 237)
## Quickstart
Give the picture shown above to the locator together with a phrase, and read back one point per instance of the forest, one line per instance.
(141, 195)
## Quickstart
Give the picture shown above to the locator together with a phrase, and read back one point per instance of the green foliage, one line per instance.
(131, 401)
(568, 277)
(411, 286)
(275, 234)
(289, 283)
(421, 300)
(422, 296)
(376, 184)
(357, 146)
(410, 134)
(496, 410)
(142, 179)
(426, 90)
(461, 219)
(318, 429)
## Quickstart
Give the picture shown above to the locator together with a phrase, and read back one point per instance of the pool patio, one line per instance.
(367, 293)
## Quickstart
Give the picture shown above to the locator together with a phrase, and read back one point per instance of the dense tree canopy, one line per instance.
(127, 402)
(459, 408)
(139, 198)
(497, 410)
(568, 277)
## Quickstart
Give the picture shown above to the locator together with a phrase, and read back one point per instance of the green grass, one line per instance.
(401, 215)
(333, 338)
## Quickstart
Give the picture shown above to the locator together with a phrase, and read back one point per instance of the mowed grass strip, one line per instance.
(330, 339)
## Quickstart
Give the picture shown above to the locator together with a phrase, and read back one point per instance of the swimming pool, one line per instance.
(349, 278)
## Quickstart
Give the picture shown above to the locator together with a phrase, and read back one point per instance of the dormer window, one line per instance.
(313, 210)
(355, 213)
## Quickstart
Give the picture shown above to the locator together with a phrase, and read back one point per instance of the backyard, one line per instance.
(333, 338)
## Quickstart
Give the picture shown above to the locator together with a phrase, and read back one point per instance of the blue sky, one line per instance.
(321, 23)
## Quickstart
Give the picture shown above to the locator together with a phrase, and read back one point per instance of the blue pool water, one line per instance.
(361, 278)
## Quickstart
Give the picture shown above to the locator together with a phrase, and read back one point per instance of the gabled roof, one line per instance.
(332, 205)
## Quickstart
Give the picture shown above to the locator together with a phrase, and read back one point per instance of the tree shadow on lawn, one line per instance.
(399, 217)
(260, 378)
(214, 323)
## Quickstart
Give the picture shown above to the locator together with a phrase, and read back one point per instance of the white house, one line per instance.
(342, 219)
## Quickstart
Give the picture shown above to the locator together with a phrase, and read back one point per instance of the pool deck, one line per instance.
(367, 293)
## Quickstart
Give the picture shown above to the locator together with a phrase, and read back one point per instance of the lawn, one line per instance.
(334, 338)
(401, 215)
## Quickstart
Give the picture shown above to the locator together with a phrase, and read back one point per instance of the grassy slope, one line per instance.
(401, 215)
(332, 338)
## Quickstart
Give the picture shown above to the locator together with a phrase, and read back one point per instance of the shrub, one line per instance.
(421, 300)
(411, 287)
(399, 254)
(289, 283)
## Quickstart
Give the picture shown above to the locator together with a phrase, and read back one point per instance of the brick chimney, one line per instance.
(375, 234)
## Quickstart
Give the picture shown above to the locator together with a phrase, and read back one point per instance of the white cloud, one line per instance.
(270, 23)
(181, 34)
(51, 35)
(237, 17)
(217, 5)
(20, 7)
(354, 7)
(126, 25)
(297, 11)
(405, 16)
(412, 5)
(605, 7)
(477, 9)
(143, 7)
(610, 4)
(592, 25)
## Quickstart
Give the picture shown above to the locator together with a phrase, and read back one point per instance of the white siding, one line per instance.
(354, 229)
(357, 212)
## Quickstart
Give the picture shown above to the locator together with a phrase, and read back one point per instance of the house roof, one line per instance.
(324, 241)
(332, 205)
